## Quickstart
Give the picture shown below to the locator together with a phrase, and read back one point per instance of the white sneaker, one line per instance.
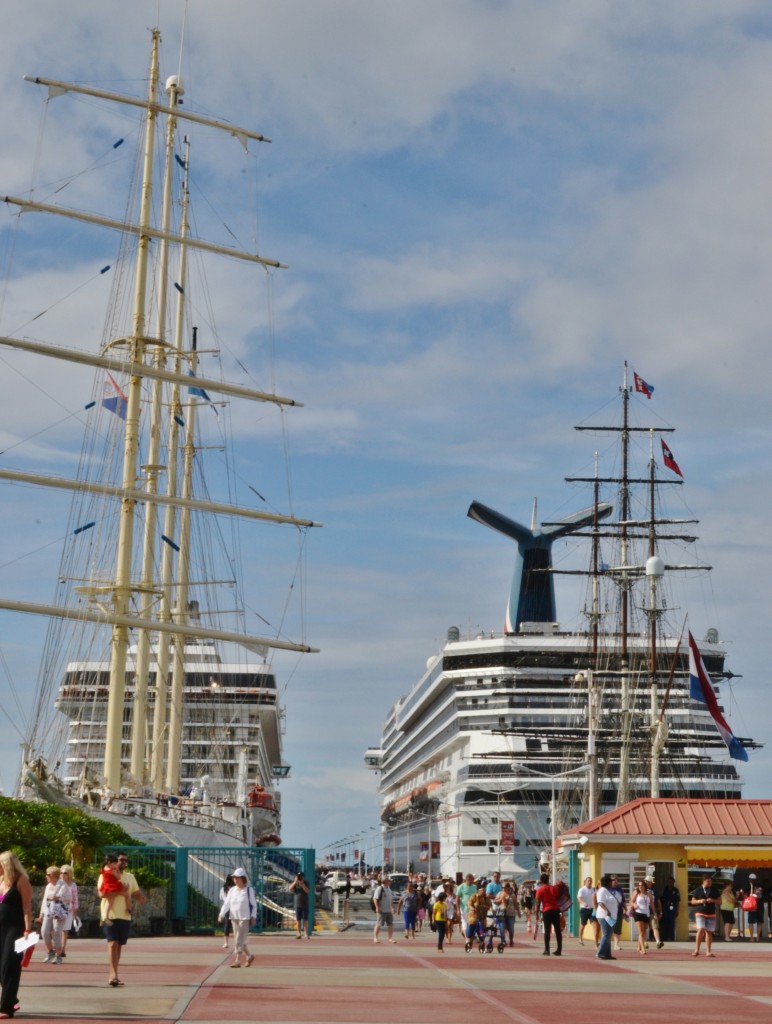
(58, 959)
(50, 957)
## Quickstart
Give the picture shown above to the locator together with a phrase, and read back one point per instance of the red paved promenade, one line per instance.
(336, 978)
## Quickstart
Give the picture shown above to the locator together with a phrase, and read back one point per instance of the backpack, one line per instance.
(750, 903)
(376, 896)
(563, 897)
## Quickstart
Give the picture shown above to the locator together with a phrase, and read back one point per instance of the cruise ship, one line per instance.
(511, 737)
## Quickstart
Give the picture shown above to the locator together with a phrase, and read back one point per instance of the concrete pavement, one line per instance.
(337, 978)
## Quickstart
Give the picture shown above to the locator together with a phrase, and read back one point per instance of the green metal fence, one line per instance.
(194, 875)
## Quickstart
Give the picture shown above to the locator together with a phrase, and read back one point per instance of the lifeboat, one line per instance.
(257, 797)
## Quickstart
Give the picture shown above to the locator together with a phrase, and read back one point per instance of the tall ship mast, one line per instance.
(157, 699)
(511, 737)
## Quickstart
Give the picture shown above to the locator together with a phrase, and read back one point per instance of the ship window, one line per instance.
(475, 821)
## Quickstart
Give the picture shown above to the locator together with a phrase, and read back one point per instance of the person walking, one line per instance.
(383, 901)
(606, 908)
(586, 898)
(640, 904)
(68, 879)
(54, 909)
(116, 907)
(440, 918)
(227, 927)
(15, 922)
(704, 900)
(241, 904)
(618, 893)
(656, 910)
(547, 905)
(451, 911)
(299, 889)
(408, 904)
(506, 909)
(464, 892)
(477, 910)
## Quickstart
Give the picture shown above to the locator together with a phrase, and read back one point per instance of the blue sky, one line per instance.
(486, 208)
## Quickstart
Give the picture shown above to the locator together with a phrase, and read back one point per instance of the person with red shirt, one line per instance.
(547, 905)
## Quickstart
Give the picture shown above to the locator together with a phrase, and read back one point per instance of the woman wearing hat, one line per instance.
(755, 913)
(241, 904)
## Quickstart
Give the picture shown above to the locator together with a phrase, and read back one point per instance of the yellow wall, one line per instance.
(592, 854)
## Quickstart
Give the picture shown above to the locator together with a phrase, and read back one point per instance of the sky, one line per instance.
(486, 208)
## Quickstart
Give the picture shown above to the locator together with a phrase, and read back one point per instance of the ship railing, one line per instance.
(197, 816)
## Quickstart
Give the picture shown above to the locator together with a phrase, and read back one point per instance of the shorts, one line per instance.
(586, 914)
(727, 916)
(301, 913)
(755, 917)
(641, 917)
(708, 923)
(386, 920)
(117, 931)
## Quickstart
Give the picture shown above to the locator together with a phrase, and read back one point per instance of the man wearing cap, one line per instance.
(705, 899)
(383, 899)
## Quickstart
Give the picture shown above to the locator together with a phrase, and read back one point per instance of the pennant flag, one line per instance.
(670, 462)
(198, 392)
(701, 689)
(642, 386)
(115, 400)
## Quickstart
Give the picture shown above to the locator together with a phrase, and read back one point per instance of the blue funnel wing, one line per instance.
(532, 597)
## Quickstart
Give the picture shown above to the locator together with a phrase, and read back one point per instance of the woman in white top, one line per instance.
(241, 904)
(640, 905)
(451, 905)
(54, 909)
(68, 879)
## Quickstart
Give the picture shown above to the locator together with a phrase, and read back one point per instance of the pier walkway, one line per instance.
(343, 978)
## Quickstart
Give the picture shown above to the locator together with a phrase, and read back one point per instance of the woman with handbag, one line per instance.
(54, 910)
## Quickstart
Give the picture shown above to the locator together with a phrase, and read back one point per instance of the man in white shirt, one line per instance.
(606, 912)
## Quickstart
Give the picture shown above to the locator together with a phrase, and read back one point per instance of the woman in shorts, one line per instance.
(641, 908)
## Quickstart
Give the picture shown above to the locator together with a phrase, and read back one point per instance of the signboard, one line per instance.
(507, 840)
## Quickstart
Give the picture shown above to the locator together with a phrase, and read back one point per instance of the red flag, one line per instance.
(670, 462)
(642, 386)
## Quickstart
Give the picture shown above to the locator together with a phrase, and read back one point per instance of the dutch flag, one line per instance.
(701, 689)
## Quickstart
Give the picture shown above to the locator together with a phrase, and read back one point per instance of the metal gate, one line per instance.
(194, 875)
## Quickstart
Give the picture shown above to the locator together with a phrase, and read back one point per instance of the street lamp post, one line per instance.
(547, 775)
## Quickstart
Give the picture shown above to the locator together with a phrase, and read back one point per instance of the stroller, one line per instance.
(485, 936)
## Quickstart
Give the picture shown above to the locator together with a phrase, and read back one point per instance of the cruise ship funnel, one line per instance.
(532, 597)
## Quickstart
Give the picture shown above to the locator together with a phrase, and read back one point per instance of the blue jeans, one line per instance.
(606, 931)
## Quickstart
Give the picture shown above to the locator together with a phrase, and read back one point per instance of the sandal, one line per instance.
(115, 983)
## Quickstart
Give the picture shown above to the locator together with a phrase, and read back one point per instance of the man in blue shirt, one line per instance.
(494, 888)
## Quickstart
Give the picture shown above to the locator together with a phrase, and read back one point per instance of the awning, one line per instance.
(729, 856)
